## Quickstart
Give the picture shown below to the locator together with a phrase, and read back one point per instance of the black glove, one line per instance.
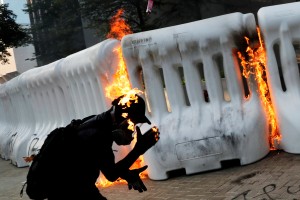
(133, 179)
(146, 141)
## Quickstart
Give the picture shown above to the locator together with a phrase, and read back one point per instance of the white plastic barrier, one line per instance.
(86, 74)
(42, 87)
(3, 117)
(22, 120)
(50, 96)
(11, 90)
(7, 123)
(280, 27)
(195, 134)
(26, 125)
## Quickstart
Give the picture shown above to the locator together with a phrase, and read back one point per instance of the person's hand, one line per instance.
(146, 141)
(134, 181)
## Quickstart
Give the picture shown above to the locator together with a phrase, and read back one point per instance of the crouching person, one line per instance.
(78, 166)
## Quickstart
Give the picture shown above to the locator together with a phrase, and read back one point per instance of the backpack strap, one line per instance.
(21, 192)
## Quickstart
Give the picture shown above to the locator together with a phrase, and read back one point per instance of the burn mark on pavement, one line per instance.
(244, 177)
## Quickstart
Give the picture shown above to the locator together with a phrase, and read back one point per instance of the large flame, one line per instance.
(255, 63)
(121, 86)
(118, 26)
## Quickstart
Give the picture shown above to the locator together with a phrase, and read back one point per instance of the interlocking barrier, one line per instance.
(198, 133)
(23, 113)
(207, 113)
(41, 86)
(280, 26)
(7, 121)
(44, 98)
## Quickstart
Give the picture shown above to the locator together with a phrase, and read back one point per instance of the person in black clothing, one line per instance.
(91, 152)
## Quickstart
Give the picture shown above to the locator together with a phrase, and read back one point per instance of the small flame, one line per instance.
(255, 64)
(130, 125)
(155, 130)
(29, 158)
(129, 97)
(125, 115)
(102, 182)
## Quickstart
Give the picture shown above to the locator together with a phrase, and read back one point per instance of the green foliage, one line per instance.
(11, 33)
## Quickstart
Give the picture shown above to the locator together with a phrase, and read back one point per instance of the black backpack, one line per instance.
(41, 170)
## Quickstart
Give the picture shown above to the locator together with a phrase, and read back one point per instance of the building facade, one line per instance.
(56, 28)
(21, 57)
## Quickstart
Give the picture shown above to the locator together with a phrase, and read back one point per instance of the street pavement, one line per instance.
(277, 176)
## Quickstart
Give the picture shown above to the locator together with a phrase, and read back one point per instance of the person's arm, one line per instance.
(133, 179)
(144, 142)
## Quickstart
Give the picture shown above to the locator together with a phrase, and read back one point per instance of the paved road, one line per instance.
(277, 176)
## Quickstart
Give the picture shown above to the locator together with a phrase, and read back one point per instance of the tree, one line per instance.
(174, 12)
(99, 12)
(56, 28)
(11, 33)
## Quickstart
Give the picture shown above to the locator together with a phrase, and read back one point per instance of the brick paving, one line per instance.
(277, 176)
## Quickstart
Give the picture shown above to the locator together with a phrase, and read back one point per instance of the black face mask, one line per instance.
(122, 135)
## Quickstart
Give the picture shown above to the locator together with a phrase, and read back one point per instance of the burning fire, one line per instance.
(120, 86)
(254, 62)
(130, 125)
(118, 27)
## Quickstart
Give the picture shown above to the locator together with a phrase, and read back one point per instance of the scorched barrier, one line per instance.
(202, 121)
(280, 26)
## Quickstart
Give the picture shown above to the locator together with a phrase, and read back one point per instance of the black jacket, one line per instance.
(83, 158)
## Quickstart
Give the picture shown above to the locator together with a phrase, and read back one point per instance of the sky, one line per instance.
(17, 6)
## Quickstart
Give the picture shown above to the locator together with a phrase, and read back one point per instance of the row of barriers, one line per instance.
(194, 90)
(44, 98)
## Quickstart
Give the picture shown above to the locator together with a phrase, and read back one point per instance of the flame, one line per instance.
(125, 115)
(121, 86)
(155, 130)
(129, 96)
(29, 159)
(118, 27)
(130, 125)
(102, 182)
(255, 64)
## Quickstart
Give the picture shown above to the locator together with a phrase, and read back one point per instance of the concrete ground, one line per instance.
(277, 176)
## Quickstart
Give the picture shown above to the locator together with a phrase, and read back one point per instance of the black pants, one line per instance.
(76, 193)
(71, 197)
